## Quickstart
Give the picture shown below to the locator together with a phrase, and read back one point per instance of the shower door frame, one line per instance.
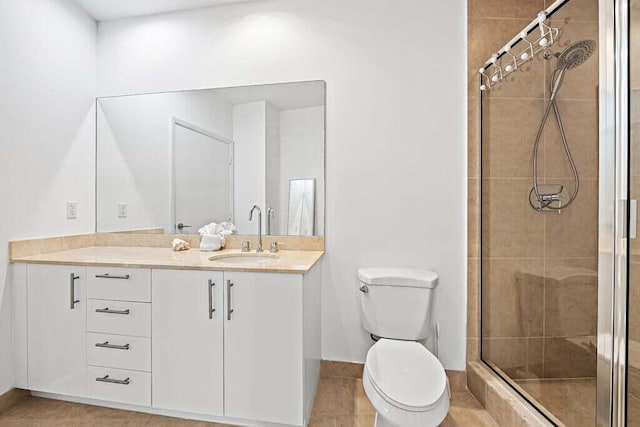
(613, 212)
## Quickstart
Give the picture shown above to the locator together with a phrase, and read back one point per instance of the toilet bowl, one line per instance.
(406, 384)
(402, 378)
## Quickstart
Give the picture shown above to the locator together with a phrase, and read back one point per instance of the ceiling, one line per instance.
(104, 10)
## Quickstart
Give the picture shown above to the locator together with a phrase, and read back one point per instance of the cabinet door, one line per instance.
(57, 329)
(263, 347)
(187, 355)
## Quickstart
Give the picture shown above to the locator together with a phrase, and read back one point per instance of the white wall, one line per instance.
(249, 167)
(395, 127)
(48, 86)
(134, 153)
(302, 157)
(272, 180)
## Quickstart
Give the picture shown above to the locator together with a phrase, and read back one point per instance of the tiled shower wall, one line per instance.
(539, 269)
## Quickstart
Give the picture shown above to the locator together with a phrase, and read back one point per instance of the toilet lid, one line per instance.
(406, 374)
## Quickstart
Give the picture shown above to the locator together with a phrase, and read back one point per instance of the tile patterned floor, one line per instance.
(340, 402)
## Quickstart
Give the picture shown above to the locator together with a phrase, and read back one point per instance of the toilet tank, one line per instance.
(397, 303)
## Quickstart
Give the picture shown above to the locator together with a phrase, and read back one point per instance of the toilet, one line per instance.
(403, 379)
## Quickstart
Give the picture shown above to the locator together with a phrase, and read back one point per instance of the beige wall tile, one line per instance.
(511, 228)
(457, 381)
(473, 138)
(571, 297)
(497, 403)
(519, 358)
(473, 218)
(580, 123)
(574, 231)
(508, 130)
(634, 302)
(473, 305)
(476, 385)
(634, 45)
(473, 349)
(633, 412)
(570, 357)
(633, 381)
(576, 10)
(504, 8)
(512, 294)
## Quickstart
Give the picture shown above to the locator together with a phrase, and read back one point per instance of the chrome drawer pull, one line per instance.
(72, 291)
(108, 276)
(113, 346)
(229, 309)
(211, 308)
(106, 379)
(108, 311)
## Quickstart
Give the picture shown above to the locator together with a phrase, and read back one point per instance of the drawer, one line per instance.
(119, 385)
(119, 317)
(124, 284)
(119, 351)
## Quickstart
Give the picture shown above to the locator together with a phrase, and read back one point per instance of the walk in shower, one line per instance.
(539, 116)
(559, 129)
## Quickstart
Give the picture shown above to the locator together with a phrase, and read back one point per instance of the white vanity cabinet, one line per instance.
(263, 377)
(187, 341)
(231, 347)
(56, 335)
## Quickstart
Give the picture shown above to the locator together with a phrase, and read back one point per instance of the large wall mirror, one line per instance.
(173, 162)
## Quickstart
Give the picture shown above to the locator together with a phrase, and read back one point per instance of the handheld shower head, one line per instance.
(576, 54)
(573, 56)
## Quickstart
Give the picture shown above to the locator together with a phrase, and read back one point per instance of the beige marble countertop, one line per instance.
(299, 262)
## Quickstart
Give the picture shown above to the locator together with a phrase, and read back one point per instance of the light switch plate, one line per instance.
(72, 210)
(122, 210)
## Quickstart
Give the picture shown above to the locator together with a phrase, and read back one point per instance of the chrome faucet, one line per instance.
(270, 215)
(259, 226)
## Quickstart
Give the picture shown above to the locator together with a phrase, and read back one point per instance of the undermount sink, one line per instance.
(245, 258)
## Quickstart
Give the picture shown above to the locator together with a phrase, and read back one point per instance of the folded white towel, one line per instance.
(209, 229)
(213, 228)
(221, 231)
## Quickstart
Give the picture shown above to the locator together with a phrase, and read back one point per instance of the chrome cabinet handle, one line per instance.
(108, 311)
(229, 309)
(108, 276)
(364, 289)
(211, 308)
(113, 346)
(106, 379)
(72, 291)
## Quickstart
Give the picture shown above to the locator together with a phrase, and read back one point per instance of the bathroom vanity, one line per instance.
(116, 318)
(152, 330)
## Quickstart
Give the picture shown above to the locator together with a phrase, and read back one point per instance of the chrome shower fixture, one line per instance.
(504, 62)
(549, 197)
